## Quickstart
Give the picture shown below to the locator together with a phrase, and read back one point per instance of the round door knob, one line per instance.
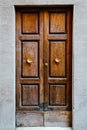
(57, 60)
(29, 61)
(46, 64)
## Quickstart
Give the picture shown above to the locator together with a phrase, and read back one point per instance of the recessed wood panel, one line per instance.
(57, 119)
(30, 23)
(57, 52)
(57, 94)
(30, 52)
(29, 119)
(29, 95)
(57, 22)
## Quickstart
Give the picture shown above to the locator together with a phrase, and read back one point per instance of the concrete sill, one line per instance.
(44, 128)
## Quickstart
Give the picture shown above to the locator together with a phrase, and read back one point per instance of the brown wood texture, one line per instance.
(30, 23)
(57, 95)
(57, 118)
(54, 73)
(30, 51)
(44, 66)
(29, 45)
(57, 51)
(59, 26)
(26, 118)
(29, 95)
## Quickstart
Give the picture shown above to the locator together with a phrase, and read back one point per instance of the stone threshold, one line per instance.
(44, 128)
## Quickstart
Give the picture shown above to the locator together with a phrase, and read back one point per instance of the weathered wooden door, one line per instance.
(43, 66)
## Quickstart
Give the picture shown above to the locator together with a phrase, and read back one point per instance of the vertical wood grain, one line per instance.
(30, 51)
(57, 50)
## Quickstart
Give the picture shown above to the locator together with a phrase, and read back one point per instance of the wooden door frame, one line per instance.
(43, 7)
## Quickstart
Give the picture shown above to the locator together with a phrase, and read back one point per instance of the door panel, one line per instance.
(60, 25)
(30, 59)
(43, 66)
(57, 58)
(30, 23)
(57, 95)
(26, 118)
(57, 118)
(30, 95)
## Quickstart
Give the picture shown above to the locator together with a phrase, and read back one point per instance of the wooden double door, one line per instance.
(43, 66)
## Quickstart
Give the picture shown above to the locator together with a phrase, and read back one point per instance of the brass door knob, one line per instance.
(29, 60)
(46, 64)
(57, 60)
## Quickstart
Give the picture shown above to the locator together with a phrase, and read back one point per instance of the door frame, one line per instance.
(68, 53)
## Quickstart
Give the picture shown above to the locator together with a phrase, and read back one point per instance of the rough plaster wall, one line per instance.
(80, 66)
(7, 61)
(37, 2)
(44, 2)
(7, 67)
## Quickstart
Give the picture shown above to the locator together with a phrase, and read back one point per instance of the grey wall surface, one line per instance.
(7, 68)
(7, 60)
(80, 66)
